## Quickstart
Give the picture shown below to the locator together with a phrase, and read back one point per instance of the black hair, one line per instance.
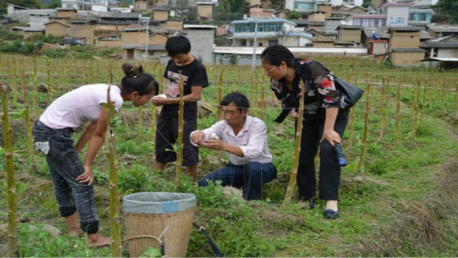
(137, 80)
(240, 101)
(177, 45)
(277, 54)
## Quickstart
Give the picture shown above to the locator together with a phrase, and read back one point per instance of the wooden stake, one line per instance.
(293, 175)
(362, 156)
(115, 218)
(179, 149)
(11, 183)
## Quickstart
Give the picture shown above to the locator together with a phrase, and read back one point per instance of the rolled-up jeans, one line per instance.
(65, 166)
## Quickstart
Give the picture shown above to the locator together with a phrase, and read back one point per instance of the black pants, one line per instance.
(329, 176)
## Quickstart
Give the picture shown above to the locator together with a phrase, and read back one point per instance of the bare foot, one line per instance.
(97, 240)
(75, 232)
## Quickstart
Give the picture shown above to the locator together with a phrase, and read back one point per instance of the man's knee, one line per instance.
(203, 182)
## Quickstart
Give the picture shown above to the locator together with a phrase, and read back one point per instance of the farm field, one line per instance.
(397, 195)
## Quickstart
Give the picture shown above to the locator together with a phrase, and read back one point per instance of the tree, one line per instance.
(448, 9)
(292, 15)
(27, 3)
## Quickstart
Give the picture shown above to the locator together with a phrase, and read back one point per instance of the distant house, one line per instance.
(133, 36)
(441, 30)
(27, 31)
(202, 41)
(57, 29)
(83, 30)
(69, 13)
(269, 32)
(404, 37)
(161, 14)
(444, 47)
(407, 56)
(140, 4)
(404, 46)
(347, 33)
(205, 11)
(141, 52)
(108, 42)
(397, 14)
(369, 20)
(323, 41)
(38, 20)
(317, 16)
(326, 8)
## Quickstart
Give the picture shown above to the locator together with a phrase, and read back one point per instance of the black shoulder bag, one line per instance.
(350, 93)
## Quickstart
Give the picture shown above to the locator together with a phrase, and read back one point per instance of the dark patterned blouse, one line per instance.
(319, 84)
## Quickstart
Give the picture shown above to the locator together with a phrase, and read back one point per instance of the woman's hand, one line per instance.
(331, 136)
(292, 114)
(158, 101)
(86, 177)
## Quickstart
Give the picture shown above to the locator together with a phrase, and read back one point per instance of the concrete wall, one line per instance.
(67, 14)
(173, 25)
(83, 30)
(153, 54)
(404, 40)
(349, 35)
(140, 5)
(202, 42)
(57, 30)
(406, 58)
(161, 15)
(447, 53)
(38, 21)
(108, 43)
(397, 16)
(133, 38)
(317, 17)
(109, 27)
(157, 39)
(325, 8)
(323, 44)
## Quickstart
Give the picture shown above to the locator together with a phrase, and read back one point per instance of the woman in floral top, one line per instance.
(324, 120)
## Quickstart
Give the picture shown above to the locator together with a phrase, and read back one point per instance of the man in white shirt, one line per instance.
(244, 139)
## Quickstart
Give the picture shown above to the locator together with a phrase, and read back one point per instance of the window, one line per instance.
(263, 27)
(150, 52)
(304, 6)
(273, 42)
(357, 22)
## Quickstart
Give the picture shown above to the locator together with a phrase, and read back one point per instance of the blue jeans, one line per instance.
(251, 177)
(65, 166)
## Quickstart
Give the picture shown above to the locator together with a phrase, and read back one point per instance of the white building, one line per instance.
(269, 32)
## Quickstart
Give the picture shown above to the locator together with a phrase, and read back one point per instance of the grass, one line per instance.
(390, 211)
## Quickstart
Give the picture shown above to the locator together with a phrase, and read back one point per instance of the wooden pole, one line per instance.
(293, 175)
(179, 146)
(362, 156)
(398, 114)
(11, 184)
(220, 95)
(28, 125)
(115, 218)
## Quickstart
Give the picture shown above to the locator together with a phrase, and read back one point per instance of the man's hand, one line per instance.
(214, 144)
(86, 177)
(198, 138)
(292, 114)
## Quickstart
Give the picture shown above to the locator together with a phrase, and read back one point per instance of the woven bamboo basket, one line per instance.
(148, 215)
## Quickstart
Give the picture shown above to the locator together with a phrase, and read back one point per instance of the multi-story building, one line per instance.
(397, 14)
(269, 32)
(420, 16)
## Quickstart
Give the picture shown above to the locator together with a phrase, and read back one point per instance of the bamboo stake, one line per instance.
(115, 219)
(398, 114)
(416, 99)
(220, 95)
(362, 156)
(423, 106)
(48, 86)
(28, 126)
(456, 101)
(382, 108)
(179, 149)
(261, 104)
(293, 175)
(12, 209)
